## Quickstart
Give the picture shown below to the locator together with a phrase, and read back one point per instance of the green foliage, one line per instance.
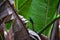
(0, 37)
(42, 12)
(8, 25)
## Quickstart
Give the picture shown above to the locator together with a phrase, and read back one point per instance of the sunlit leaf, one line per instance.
(41, 11)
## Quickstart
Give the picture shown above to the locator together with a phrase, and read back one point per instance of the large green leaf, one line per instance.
(41, 11)
(23, 6)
